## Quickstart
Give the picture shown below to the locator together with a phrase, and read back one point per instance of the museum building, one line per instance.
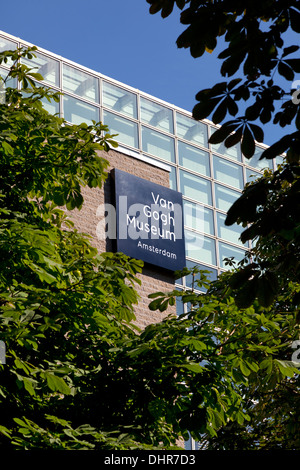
(168, 189)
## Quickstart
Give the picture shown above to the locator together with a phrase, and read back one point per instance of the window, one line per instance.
(52, 107)
(255, 161)
(156, 115)
(191, 444)
(127, 130)
(80, 83)
(200, 247)
(228, 251)
(198, 217)
(158, 144)
(76, 111)
(173, 179)
(228, 173)
(193, 158)
(225, 197)
(47, 67)
(118, 99)
(279, 160)
(230, 233)
(189, 129)
(195, 187)
(179, 306)
(211, 276)
(252, 175)
(10, 82)
(233, 152)
(7, 45)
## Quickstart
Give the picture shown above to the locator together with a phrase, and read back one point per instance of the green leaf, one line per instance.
(43, 275)
(155, 304)
(244, 368)
(192, 367)
(267, 364)
(195, 344)
(156, 294)
(56, 420)
(237, 376)
(252, 365)
(59, 198)
(57, 384)
(20, 422)
(215, 418)
(37, 76)
(240, 418)
(28, 384)
(6, 432)
(164, 305)
(8, 149)
(285, 368)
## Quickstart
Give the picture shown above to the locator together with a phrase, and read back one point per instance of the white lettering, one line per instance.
(159, 251)
(157, 215)
(155, 199)
(139, 221)
(162, 202)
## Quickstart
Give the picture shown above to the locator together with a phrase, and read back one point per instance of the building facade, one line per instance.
(161, 143)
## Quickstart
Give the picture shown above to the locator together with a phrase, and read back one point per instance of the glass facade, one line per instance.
(210, 177)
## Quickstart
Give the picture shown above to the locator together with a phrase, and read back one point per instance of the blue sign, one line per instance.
(149, 221)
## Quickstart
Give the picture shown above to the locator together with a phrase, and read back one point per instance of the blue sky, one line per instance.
(120, 39)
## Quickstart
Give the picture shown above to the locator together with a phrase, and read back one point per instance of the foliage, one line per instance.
(63, 305)
(78, 374)
(271, 207)
(246, 360)
(258, 67)
(256, 37)
(254, 33)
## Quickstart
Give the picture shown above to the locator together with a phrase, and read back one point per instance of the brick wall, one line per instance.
(86, 220)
